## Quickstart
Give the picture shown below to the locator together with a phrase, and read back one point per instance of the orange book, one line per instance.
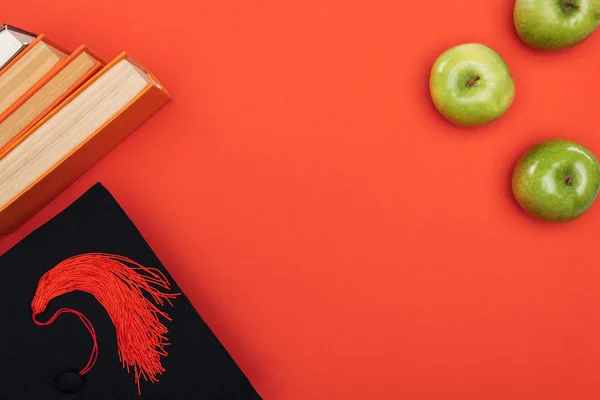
(74, 136)
(31, 65)
(46, 94)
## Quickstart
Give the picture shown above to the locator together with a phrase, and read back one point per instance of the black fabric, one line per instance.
(36, 362)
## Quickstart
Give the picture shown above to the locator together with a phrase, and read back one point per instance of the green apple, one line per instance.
(471, 84)
(556, 180)
(556, 24)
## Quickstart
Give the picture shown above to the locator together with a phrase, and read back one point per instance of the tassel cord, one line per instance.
(86, 322)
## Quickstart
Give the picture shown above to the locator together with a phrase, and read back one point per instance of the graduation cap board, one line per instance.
(89, 312)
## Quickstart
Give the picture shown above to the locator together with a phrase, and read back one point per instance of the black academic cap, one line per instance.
(45, 360)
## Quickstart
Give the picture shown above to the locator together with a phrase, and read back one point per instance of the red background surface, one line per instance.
(341, 238)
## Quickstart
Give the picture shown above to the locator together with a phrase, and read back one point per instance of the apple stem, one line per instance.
(567, 4)
(569, 180)
(472, 81)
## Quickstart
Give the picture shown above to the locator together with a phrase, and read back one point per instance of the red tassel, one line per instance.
(141, 337)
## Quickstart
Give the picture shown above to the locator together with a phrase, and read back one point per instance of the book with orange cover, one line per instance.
(74, 136)
(39, 38)
(50, 91)
(38, 59)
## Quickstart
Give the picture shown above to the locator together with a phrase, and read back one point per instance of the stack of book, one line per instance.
(60, 112)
